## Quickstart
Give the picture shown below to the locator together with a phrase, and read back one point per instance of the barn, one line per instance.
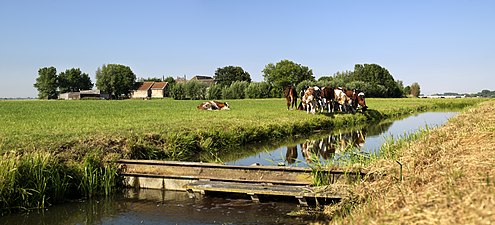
(150, 89)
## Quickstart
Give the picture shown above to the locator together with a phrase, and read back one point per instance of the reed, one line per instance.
(39, 179)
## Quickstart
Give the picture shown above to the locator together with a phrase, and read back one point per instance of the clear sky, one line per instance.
(445, 46)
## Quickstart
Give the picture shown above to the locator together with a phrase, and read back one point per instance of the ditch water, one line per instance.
(328, 147)
(171, 207)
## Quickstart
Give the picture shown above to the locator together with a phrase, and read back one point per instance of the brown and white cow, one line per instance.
(214, 105)
(308, 100)
(327, 98)
(341, 99)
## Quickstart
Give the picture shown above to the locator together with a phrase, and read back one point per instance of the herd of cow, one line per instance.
(316, 99)
(313, 99)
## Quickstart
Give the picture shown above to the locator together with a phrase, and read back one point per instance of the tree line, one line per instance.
(231, 82)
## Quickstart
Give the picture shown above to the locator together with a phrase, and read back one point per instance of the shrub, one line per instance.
(214, 92)
(258, 90)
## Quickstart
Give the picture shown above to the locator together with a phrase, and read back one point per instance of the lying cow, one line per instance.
(214, 105)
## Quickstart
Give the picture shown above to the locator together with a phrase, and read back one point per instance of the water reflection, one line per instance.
(160, 207)
(325, 147)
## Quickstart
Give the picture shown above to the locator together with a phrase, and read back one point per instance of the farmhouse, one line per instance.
(151, 90)
(84, 94)
(204, 79)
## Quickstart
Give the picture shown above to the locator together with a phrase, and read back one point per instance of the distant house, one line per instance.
(204, 79)
(84, 94)
(150, 89)
(181, 80)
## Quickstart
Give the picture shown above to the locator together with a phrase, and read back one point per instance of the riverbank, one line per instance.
(448, 178)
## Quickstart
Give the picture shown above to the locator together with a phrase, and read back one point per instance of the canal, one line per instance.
(171, 207)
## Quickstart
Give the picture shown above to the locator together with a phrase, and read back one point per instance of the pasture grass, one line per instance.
(439, 176)
(53, 150)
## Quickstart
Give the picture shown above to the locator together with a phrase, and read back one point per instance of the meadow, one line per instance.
(53, 150)
(51, 125)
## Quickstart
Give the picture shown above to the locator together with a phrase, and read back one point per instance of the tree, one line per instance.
(74, 80)
(286, 72)
(227, 75)
(46, 83)
(170, 80)
(377, 75)
(115, 79)
(415, 89)
(407, 90)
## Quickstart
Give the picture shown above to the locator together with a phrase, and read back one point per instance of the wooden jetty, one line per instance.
(201, 178)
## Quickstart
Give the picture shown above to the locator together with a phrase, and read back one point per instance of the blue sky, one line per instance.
(445, 46)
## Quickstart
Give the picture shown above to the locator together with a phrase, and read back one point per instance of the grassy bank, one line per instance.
(448, 177)
(64, 145)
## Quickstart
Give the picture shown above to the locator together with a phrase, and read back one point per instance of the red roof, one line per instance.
(145, 86)
(159, 85)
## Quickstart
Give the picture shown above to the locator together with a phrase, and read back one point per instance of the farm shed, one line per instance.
(150, 90)
(74, 95)
(204, 79)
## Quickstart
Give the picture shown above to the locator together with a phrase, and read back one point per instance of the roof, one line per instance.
(90, 92)
(159, 85)
(145, 86)
(199, 77)
(152, 85)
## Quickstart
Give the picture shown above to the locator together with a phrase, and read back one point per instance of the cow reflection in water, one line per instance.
(291, 154)
(327, 147)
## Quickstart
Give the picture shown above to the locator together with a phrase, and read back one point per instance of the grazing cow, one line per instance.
(356, 100)
(214, 105)
(318, 99)
(308, 100)
(291, 96)
(341, 99)
(361, 102)
(327, 98)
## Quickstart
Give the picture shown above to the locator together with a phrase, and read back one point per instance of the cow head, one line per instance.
(362, 101)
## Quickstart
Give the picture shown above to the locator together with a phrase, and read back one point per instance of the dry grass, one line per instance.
(449, 178)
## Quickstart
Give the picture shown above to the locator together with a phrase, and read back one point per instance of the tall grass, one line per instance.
(39, 179)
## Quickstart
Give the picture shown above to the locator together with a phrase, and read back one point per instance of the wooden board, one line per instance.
(260, 189)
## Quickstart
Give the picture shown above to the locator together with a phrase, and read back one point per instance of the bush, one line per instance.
(238, 89)
(214, 92)
(258, 90)
(178, 92)
(195, 90)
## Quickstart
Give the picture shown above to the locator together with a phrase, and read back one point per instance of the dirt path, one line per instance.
(449, 178)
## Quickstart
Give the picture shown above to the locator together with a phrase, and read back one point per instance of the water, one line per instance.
(161, 207)
(171, 207)
(368, 139)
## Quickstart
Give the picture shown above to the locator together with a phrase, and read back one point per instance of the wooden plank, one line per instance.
(219, 172)
(194, 178)
(260, 189)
